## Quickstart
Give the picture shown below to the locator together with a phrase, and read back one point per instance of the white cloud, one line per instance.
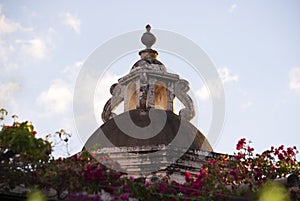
(22, 53)
(203, 93)
(215, 90)
(35, 48)
(14, 52)
(72, 21)
(72, 70)
(57, 99)
(294, 79)
(7, 90)
(8, 26)
(232, 8)
(225, 75)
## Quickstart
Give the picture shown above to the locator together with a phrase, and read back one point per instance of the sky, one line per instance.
(254, 45)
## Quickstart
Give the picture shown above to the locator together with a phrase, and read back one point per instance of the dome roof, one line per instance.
(141, 118)
(149, 64)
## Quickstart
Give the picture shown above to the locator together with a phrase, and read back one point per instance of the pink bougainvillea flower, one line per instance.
(125, 196)
(241, 143)
(34, 133)
(233, 173)
(280, 156)
(250, 149)
(147, 184)
(187, 176)
(290, 151)
(211, 162)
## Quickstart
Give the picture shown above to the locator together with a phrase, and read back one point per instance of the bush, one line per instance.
(26, 161)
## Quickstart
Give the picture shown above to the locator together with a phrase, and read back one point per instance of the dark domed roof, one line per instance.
(141, 118)
(149, 64)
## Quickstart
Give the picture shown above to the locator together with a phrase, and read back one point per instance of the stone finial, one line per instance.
(148, 39)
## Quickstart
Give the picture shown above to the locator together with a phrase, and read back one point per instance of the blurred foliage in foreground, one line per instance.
(26, 161)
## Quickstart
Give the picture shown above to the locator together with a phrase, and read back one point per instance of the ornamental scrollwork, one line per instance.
(181, 89)
(113, 102)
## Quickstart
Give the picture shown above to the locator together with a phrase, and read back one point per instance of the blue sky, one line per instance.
(255, 46)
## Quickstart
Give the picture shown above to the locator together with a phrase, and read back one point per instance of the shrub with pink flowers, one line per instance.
(242, 173)
(26, 161)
